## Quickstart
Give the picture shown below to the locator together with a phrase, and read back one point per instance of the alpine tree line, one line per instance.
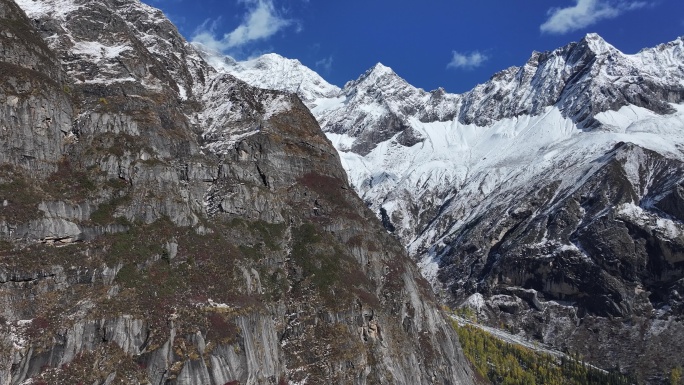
(503, 363)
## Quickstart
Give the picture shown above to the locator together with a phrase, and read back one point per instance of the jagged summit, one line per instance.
(581, 79)
(597, 44)
(379, 70)
(678, 44)
(378, 78)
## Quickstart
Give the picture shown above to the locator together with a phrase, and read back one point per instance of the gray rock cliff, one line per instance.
(162, 223)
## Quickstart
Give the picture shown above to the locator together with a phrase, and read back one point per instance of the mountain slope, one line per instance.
(165, 223)
(548, 196)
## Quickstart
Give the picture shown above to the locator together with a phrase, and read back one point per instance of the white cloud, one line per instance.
(260, 23)
(325, 63)
(585, 13)
(467, 60)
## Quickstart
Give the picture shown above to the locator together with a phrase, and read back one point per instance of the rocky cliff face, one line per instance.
(548, 198)
(593, 268)
(163, 223)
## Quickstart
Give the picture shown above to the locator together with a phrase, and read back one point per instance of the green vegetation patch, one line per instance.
(676, 376)
(331, 193)
(28, 36)
(327, 268)
(41, 257)
(135, 245)
(270, 234)
(70, 182)
(205, 266)
(19, 199)
(90, 367)
(117, 144)
(317, 264)
(502, 363)
(104, 214)
(221, 328)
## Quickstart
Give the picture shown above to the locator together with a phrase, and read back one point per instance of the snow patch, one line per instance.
(98, 50)
(318, 106)
(276, 106)
(668, 228)
(429, 267)
(57, 9)
(341, 142)
(624, 117)
(226, 144)
(475, 301)
(182, 93)
(217, 305)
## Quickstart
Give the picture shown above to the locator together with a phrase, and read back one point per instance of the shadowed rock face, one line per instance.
(162, 223)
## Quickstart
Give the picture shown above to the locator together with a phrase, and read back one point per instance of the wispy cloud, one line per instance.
(467, 60)
(261, 21)
(325, 63)
(585, 13)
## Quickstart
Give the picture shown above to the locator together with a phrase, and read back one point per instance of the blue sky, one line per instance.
(438, 43)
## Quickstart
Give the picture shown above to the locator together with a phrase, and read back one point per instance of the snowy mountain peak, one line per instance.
(274, 72)
(378, 78)
(372, 76)
(581, 79)
(597, 44)
(270, 60)
(214, 57)
(378, 71)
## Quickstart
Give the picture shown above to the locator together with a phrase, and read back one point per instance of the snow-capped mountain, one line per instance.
(399, 142)
(106, 56)
(553, 191)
